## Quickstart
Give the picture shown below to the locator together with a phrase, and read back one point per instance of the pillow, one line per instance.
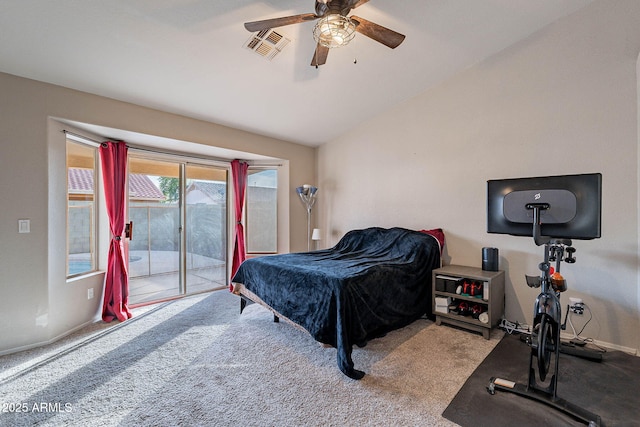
(438, 234)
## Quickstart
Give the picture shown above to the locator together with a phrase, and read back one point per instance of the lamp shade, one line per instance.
(316, 234)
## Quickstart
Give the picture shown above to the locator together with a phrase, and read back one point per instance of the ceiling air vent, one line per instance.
(267, 43)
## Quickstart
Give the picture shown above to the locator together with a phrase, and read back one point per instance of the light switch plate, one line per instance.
(24, 226)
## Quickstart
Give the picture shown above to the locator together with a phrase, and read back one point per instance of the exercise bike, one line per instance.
(547, 323)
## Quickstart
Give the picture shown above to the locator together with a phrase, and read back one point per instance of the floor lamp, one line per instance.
(307, 195)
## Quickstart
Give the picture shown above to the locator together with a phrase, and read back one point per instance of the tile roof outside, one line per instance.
(80, 181)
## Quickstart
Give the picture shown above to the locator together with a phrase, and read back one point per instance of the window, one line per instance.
(261, 211)
(81, 208)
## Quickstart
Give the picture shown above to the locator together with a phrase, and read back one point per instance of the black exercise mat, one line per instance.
(610, 389)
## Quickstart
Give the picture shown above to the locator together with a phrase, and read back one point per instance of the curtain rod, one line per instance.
(91, 141)
(81, 138)
(204, 158)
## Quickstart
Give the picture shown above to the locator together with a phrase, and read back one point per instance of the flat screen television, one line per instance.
(569, 206)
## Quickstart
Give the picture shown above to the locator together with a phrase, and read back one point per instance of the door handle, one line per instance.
(128, 230)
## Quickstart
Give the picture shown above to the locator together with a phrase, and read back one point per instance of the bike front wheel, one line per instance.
(546, 345)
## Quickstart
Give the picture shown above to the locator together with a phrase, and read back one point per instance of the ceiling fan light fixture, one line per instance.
(334, 30)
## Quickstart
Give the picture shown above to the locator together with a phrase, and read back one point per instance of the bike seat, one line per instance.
(533, 281)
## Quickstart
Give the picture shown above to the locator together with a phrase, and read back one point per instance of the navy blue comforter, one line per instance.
(373, 281)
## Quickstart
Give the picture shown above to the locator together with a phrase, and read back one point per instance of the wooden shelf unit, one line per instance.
(493, 305)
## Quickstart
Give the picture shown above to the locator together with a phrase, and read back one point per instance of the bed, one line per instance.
(371, 282)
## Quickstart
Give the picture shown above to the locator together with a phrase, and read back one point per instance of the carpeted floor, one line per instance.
(198, 362)
(610, 389)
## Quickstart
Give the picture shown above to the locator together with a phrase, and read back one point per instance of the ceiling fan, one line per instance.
(334, 28)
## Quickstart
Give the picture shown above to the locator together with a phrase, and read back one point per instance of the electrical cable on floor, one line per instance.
(521, 328)
(576, 335)
(587, 322)
(514, 327)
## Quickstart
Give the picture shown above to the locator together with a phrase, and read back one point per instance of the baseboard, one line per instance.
(49, 341)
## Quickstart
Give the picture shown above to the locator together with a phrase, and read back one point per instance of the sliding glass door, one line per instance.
(206, 227)
(179, 215)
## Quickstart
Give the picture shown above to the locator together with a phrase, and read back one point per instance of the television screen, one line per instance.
(569, 206)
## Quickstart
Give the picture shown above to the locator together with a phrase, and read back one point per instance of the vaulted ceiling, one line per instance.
(190, 57)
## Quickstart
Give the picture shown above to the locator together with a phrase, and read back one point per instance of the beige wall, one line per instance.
(561, 102)
(37, 304)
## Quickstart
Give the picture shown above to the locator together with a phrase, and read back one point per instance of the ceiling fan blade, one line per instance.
(320, 56)
(359, 3)
(279, 22)
(377, 32)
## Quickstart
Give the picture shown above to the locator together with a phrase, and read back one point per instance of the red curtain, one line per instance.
(239, 177)
(113, 156)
